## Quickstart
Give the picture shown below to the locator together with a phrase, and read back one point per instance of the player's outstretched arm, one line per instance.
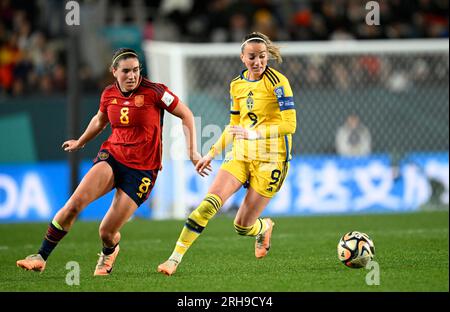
(286, 126)
(97, 124)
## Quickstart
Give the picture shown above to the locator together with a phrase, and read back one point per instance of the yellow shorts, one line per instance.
(266, 178)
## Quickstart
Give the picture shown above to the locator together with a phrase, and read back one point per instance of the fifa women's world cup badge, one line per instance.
(102, 155)
(250, 101)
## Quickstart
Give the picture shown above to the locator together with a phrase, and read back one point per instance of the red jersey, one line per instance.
(136, 121)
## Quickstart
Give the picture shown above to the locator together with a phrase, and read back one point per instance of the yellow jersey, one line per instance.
(267, 106)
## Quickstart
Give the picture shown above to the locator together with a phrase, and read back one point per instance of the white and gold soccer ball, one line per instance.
(355, 249)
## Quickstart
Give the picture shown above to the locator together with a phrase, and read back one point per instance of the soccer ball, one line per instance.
(355, 249)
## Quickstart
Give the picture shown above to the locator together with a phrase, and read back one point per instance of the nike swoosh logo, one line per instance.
(109, 271)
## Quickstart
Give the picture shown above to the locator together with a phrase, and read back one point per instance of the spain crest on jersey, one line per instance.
(250, 101)
(139, 100)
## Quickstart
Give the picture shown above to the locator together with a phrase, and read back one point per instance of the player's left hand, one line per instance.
(202, 166)
(242, 133)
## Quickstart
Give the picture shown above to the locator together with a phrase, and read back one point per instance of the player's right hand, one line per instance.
(71, 146)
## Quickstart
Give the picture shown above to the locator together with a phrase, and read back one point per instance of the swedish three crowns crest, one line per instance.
(250, 101)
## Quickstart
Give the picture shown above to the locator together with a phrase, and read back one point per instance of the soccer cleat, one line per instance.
(32, 263)
(105, 263)
(262, 244)
(169, 267)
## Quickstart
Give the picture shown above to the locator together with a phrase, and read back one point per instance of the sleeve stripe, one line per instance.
(161, 89)
(270, 79)
(235, 112)
(274, 76)
(157, 90)
(151, 85)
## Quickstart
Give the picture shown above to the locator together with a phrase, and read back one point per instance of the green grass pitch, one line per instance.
(411, 250)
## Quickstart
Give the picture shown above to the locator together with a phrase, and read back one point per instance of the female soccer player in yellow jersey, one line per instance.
(262, 122)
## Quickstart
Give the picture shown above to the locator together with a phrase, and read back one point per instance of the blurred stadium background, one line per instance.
(394, 77)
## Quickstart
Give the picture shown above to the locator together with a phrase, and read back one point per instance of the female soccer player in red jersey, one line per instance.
(129, 160)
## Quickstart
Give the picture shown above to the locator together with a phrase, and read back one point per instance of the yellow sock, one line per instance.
(195, 224)
(259, 227)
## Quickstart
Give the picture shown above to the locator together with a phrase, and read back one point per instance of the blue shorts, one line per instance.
(136, 183)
